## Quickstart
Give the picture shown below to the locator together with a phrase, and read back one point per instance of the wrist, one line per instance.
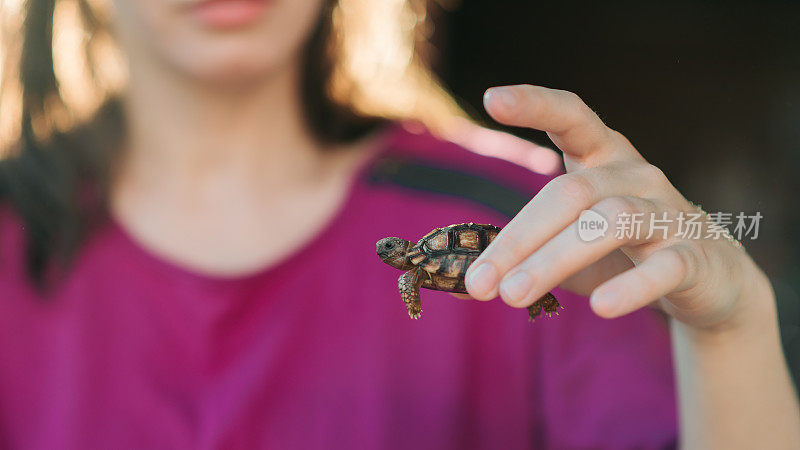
(752, 313)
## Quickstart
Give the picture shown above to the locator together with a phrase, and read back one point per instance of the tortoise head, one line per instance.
(392, 251)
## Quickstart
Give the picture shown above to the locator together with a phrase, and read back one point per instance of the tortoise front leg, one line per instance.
(546, 303)
(409, 284)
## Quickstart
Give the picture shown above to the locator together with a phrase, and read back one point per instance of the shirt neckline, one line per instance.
(162, 264)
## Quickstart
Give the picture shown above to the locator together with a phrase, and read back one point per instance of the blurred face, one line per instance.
(216, 40)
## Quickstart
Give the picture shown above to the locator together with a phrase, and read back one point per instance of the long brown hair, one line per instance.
(58, 154)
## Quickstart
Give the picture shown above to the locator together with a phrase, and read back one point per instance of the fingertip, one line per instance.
(488, 101)
(500, 101)
(605, 302)
(481, 281)
(515, 288)
(482, 296)
(487, 97)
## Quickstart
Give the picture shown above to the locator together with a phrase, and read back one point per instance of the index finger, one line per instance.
(571, 125)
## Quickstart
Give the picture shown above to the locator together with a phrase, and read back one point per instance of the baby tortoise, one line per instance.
(440, 260)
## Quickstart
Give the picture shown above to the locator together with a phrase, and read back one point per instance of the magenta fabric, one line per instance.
(317, 352)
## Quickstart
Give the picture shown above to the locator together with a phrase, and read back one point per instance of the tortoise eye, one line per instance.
(390, 245)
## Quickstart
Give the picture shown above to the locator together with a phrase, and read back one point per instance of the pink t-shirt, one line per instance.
(133, 351)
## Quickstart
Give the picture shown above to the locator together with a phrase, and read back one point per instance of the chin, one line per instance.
(224, 62)
(231, 71)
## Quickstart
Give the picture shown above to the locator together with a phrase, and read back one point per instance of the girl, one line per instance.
(191, 265)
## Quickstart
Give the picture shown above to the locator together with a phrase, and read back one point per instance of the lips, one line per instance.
(228, 13)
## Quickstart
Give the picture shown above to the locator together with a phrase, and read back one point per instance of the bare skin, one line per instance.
(187, 177)
(734, 386)
(213, 157)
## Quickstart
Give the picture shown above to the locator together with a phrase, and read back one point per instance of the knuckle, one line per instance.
(577, 189)
(653, 175)
(675, 259)
(571, 98)
(685, 257)
(619, 138)
(613, 207)
(580, 113)
(684, 261)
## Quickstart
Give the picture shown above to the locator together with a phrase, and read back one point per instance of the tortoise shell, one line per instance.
(446, 253)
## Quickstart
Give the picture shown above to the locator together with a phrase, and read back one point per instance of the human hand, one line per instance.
(706, 283)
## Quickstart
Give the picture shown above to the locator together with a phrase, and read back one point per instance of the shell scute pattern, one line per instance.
(437, 242)
(446, 253)
(469, 239)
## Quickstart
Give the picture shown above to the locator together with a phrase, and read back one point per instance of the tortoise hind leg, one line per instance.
(409, 284)
(546, 303)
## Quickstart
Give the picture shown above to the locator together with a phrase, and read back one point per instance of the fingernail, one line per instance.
(483, 278)
(515, 288)
(503, 95)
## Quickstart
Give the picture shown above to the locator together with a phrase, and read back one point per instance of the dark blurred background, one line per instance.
(707, 90)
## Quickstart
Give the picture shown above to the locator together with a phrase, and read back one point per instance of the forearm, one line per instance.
(734, 387)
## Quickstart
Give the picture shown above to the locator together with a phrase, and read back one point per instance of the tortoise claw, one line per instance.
(533, 312)
(414, 313)
(547, 303)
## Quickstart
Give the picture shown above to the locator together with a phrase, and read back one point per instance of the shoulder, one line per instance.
(487, 167)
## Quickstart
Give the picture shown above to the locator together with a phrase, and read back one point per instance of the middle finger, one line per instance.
(558, 204)
(567, 253)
